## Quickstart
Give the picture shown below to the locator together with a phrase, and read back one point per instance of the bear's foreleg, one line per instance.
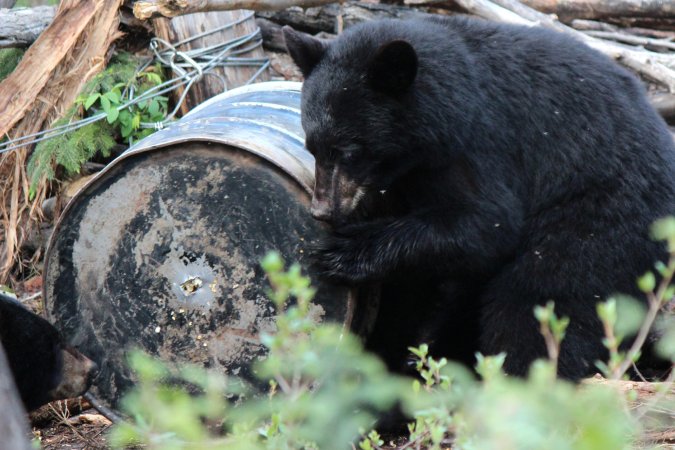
(432, 241)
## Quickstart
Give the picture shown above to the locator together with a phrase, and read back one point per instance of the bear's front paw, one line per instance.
(344, 259)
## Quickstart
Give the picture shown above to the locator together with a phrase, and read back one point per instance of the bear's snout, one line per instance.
(77, 374)
(320, 209)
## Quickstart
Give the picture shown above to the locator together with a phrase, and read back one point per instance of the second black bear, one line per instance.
(503, 166)
(43, 366)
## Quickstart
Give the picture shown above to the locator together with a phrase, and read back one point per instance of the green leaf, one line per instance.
(136, 121)
(665, 346)
(126, 129)
(105, 104)
(153, 108)
(152, 77)
(664, 229)
(669, 293)
(630, 314)
(113, 113)
(91, 100)
(125, 118)
(647, 282)
(114, 96)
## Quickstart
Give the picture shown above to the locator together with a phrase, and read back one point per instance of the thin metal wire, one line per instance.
(190, 65)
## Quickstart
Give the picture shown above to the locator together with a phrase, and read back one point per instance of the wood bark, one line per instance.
(567, 10)
(20, 27)
(328, 18)
(145, 9)
(67, 54)
(20, 89)
(179, 28)
(594, 25)
(13, 424)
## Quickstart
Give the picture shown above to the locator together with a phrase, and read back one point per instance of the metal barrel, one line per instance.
(161, 250)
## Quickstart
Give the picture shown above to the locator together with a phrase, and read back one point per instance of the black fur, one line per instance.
(43, 367)
(517, 166)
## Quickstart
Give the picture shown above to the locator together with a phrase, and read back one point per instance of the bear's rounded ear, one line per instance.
(393, 68)
(305, 50)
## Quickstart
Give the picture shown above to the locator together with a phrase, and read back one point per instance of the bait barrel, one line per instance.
(161, 250)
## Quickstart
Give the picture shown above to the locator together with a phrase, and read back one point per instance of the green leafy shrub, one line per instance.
(106, 92)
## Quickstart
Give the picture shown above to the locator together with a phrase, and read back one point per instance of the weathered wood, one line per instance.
(567, 10)
(594, 25)
(20, 27)
(648, 43)
(46, 82)
(183, 27)
(20, 89)
(146, 9)
(655, 23)
(326, 18)
(14, 429)
(665, 105)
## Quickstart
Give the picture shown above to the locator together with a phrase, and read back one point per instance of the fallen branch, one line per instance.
(20, 89)
(626, 38)
(21, 27)
(601, 9)
(145, 9)
(594, 25)
(664, 104)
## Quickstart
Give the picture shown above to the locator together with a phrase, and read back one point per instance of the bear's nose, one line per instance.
(320, 210)
(92, 373)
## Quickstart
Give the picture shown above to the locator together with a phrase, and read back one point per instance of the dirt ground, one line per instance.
(65, 425)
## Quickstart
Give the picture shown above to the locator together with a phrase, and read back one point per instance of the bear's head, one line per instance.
(356, 106)
(43, 366)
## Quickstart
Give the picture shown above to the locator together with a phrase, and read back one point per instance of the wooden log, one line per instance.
(146, 9)
(13, 424)
(655, 23)
(328, 18)
(186, 26)
(665, 105)
(20, 89)
(567, 10)
(594, 25)
(20, 27)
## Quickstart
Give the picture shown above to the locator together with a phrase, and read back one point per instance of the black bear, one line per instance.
(478, 170)
(43, 366)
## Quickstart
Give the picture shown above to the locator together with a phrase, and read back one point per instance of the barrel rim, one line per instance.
(291, 86)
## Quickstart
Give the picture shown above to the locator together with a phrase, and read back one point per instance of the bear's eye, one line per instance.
(349, 153)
